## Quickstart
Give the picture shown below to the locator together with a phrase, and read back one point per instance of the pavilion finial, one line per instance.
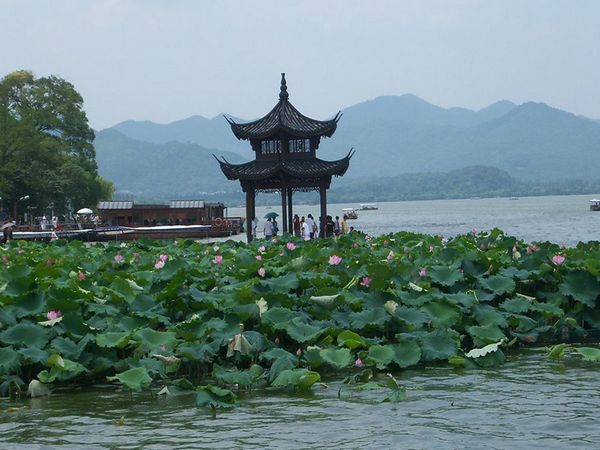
(283, 93)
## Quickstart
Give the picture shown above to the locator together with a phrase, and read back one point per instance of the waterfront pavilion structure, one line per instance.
(285, 143)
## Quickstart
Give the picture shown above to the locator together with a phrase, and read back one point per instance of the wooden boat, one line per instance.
(350, 213)
(594, 204)
(368, 206)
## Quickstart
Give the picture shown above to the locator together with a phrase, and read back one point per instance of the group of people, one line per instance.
(306, 227)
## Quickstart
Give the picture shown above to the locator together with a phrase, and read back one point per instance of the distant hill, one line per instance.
(209, 133)
(406, 134)
(168, 171)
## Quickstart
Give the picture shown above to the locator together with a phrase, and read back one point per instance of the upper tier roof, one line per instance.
(284, 117)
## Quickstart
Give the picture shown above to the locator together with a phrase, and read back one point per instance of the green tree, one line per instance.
(46, 146)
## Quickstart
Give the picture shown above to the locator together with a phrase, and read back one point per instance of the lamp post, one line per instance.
(15, 217)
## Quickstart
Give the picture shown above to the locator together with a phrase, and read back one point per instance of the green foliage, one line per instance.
(135, 325)
(46, 148)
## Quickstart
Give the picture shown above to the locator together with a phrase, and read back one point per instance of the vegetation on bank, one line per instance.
(47, 156)
(284, 313)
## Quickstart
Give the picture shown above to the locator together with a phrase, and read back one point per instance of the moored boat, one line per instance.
(594, 204)
(350, 213)
(368, 206)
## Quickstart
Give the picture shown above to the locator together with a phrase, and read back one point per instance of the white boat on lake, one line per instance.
(368, 206)
(350, 213)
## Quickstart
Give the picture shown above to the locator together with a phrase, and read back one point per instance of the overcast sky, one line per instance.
(166, 60)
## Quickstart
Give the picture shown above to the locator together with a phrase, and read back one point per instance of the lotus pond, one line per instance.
(225, 322)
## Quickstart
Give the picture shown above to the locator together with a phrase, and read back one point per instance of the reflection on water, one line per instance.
(554, 218)
(528, 403)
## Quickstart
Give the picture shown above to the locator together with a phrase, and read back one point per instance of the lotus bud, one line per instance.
(299, 352)
(358, 363)
(277, 340)
(390, 306)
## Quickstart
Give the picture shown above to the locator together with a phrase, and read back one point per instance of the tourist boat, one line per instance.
(594, 204)
(350, 213)
(368, 206)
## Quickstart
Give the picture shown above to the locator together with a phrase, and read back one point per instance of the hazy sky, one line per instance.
(166, 60)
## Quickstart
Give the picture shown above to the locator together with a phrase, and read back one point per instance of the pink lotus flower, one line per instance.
(119, 258)
(291, 246)
(159, 264)
(562, 245)
(422, 272)
(386, 242)
(558, 259)
(53, 314)
(334, 260)
(258, 257)
(390, 256)
(49, 262)
(262, 272)
(262, 249)
(81, 276)
(164, 258)
(358, 363)
(218, 260)
(366, 281)
(482, 246)
(474, 232)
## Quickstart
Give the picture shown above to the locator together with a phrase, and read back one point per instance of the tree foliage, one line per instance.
(46, 144)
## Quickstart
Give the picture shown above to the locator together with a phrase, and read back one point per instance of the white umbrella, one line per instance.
(85, 211)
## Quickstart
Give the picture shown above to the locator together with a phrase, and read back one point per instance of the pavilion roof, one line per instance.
(295, 168)
(284, 117)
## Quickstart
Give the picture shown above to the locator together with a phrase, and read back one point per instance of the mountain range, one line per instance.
(392, 135)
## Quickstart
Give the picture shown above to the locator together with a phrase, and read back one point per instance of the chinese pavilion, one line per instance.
(285, 143)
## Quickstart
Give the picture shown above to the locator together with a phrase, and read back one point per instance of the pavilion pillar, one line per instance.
(284, 215)
(249, 212)
(323, 196)
(290, 218)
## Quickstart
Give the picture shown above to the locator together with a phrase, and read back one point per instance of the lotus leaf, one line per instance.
(589, 353)
(479, 352)
(278, 317)
(375, 317)
(488, 315)
(152, 340)
(9, 360)
(25, 334)
(439, 344)
(486, 334)
(582, 286)
(444, 275)
(297, 378)
(517, 305)
(461, 298)
(498, 284)
(381, 355)
(443, 315)
(303, 332)
(350, 339)
(406, 353)
(135, 379)
(113, 339)
(337, 358)
(215, 397)
(282, 284)
(243, 378)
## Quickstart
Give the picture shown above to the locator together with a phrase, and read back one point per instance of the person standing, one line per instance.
(268, 229)
(296, 225)
(336, 226)
(306, 229)
(345, 224)
(275, 227)
(254, 224)
(311, 225)
(329, 226)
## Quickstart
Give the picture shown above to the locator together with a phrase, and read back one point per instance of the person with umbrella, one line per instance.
(7, 231)
(268, 229)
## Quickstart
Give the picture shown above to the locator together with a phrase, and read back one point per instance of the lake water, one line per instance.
(565, 219)
(528, 403)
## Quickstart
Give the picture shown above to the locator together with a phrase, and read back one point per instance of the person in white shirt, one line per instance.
(306, 229)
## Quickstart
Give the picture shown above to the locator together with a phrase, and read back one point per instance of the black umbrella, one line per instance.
(271, 215)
